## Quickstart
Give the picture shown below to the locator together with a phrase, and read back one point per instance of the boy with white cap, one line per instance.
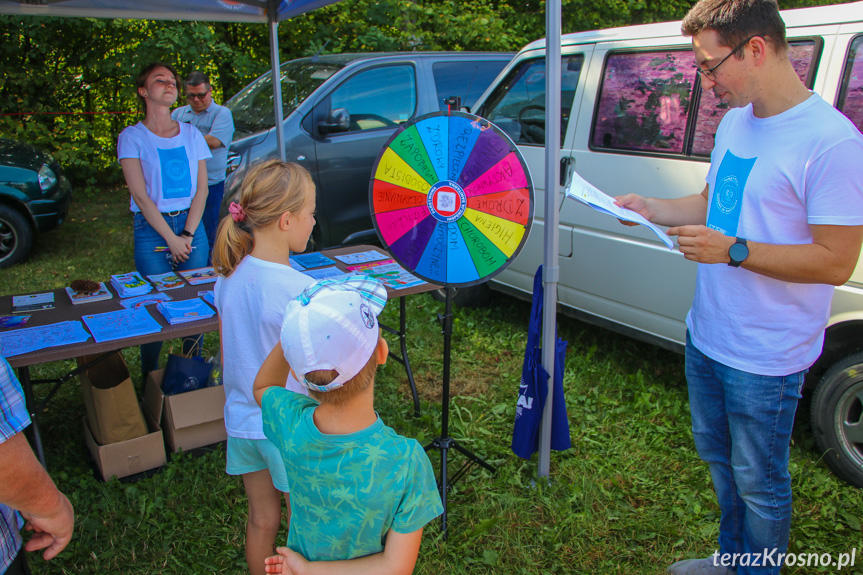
(359, 491)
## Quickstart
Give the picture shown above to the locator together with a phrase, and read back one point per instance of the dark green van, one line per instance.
(34, 197)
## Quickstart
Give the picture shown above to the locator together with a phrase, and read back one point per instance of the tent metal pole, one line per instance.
(273, 24)
(550, 270)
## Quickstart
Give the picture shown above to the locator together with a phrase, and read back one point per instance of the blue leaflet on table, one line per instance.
(130, 284)
(393, 276)
(362, 257)
(121, 324)
(8, 321)
(325, 273)
(28, 339)
(185, 310)
(208, 296)
(312, 260)
(143, 300)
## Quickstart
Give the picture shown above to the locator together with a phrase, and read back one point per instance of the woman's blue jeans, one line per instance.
(148, 262)
(742, 424)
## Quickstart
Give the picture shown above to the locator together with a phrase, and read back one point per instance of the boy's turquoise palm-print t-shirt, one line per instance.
(347, 491)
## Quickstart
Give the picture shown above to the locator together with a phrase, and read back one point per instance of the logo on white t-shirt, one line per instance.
(727, 194)
(728, 189)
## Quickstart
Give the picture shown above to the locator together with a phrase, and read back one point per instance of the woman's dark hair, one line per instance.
(141, 80)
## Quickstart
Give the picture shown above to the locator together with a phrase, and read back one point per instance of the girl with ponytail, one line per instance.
(274, 215)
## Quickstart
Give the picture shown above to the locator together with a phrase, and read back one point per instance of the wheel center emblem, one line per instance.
(446, 201)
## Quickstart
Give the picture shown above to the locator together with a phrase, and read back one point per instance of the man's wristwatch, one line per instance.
(738, 252)
(187, 234)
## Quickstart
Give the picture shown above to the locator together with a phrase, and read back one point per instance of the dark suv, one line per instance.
(339, 112)
(34, 196)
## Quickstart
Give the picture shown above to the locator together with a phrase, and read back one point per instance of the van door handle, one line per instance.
(564, 169)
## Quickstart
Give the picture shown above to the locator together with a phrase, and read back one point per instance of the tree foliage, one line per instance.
(67, 85)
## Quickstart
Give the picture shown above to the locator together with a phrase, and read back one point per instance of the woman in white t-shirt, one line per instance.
(164, 163)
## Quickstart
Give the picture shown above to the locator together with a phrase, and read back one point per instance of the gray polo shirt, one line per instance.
(215, 121)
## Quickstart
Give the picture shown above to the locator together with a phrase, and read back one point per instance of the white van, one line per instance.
(634, 119)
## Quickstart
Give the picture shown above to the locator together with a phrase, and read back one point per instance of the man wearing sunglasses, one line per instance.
(217, 125)
(778, 224)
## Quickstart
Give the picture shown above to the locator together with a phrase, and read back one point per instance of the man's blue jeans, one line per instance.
(742, 424)
(148, 262)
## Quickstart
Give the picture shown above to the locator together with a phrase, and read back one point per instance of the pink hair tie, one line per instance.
(237, 212)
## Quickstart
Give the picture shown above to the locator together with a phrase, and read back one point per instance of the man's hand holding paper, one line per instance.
(635, 213)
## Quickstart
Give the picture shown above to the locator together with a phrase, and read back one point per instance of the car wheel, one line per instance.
(837, 418)
(473, 296)
(16, 236)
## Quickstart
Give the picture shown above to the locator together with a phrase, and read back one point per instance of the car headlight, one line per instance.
(47, 178)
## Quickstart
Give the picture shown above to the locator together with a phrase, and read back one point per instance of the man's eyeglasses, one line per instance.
(201, 96)
(710, 73)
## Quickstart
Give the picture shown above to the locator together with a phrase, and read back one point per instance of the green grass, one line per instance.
(631, 496)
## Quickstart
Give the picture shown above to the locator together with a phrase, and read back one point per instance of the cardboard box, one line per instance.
(113, 412)
(188, 420)
(128, 457)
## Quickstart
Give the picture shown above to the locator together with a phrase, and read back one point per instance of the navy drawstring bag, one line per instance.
(533, 387)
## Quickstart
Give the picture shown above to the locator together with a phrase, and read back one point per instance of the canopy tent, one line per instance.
(272, 12)
(259, 11)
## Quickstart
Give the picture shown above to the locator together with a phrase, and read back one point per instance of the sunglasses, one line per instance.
(194, 96)
(710, 73)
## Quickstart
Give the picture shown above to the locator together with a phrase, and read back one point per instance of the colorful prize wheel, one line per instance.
(451, 198)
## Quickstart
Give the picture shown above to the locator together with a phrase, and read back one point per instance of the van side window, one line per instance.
(378, 98)
(517, 105)
(850, 100)
(449, 79)
(644, 101)
(711, 109)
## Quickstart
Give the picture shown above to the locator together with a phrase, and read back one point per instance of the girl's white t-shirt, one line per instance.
(251, 303)
(170, 165)
(769, 180)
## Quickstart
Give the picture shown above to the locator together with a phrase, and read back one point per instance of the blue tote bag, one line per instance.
(533, 388)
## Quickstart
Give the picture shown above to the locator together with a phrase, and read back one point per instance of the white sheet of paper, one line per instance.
(588, 194)
(322, 273)
(361, 257)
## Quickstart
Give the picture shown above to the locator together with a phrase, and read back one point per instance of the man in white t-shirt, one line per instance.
(779, 223)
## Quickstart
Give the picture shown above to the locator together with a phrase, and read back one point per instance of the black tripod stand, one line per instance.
(445, 442)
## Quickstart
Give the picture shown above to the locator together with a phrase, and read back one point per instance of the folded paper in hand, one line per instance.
(586, 193)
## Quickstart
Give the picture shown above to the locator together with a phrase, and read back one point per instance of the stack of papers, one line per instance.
(166, 281)
(33, 302)
(184, 311)
(311, 260)
(208, 296)
(121, 324)
(83, 297)
(200, 276)
(321, 273)
(130, 284)
(143, 300)
(388, 272)
(31, 339)
(362, 257)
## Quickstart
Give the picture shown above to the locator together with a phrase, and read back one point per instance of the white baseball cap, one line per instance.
(333, 325)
